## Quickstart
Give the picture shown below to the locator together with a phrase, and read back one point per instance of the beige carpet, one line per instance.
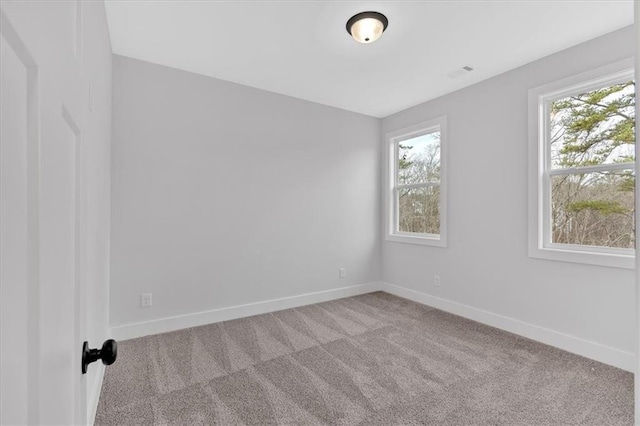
(374, 359)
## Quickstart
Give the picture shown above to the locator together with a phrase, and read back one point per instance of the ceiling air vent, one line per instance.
(462, 71)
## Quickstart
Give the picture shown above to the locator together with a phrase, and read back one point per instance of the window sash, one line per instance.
(548, 98)
(417, 185)
(396, 209)
(547, 171)
(396, 157)
(591, 169)
(547, 229)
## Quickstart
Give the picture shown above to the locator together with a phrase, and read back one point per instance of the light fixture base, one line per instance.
(367, 33)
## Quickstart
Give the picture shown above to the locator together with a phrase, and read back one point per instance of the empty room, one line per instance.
(319, 212)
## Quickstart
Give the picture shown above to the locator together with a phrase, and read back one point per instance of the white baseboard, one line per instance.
(576, 345)
(94, 396)
(163, 325)
(605, 354)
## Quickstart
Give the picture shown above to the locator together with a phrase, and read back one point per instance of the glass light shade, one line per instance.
(367, 27)
(367, 30)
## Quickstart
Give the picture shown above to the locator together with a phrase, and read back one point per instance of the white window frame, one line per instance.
(391, 206)
(540, 172)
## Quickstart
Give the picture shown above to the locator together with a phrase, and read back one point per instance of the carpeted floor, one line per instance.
(374, 359)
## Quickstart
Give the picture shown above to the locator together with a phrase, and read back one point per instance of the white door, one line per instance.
(41, 215)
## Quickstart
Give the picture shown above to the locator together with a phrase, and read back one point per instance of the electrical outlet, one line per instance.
(145, 300)
(343, 272)
(436, 280)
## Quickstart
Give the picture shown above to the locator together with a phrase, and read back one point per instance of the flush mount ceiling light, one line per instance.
(367, 27)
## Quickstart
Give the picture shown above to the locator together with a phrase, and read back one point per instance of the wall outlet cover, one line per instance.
(145, 300)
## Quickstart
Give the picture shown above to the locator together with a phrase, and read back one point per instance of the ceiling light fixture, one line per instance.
(367, 27)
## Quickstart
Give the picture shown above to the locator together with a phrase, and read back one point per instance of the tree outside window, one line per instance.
(591, 170)
(417, 178)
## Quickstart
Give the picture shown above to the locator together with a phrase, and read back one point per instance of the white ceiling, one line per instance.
(302, 49)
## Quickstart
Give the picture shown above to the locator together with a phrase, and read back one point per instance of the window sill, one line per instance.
(435, 241)
(625, 260)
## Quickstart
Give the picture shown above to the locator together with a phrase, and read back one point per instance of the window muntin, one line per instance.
(585, 181)
(416, 199)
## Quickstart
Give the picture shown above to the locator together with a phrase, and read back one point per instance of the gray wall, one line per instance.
(486, 265)
(224, 195)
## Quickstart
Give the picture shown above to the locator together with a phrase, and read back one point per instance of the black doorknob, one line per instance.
(108, 354)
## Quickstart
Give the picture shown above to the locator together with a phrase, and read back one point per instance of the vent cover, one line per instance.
(462, 71)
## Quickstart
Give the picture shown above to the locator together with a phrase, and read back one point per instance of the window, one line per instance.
(582, 170)
(416, 199)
